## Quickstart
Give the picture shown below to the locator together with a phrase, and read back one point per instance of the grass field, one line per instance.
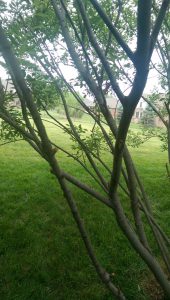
(41, 254)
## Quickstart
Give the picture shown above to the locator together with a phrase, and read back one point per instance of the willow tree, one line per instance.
(93, 36)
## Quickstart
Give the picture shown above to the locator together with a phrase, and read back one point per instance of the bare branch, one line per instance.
(158, 23)
(100, 52)
(87, 189)
(112, 28)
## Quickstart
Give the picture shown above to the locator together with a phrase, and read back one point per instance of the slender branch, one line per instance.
(86, 188)
(156, 68)
(7, 118)
(158, 24)
(80, 141)
(17, 73)
(112, 28)
(79, 161)
(155, 110)
(25, 114)
(158, 236)
(10, 142)
(100, 53)
(88, 59)
(163, 57)
(85, 74)
(103, 274)
(75, 134)
(134, 199)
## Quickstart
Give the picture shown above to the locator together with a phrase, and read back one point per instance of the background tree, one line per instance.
(148, 118)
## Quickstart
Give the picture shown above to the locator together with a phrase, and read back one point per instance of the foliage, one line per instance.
(164, 139)
(7, 131)
(92, 140)
(135, 139)
(44, 90)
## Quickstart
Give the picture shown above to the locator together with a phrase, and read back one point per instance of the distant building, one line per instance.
(139, 110)
(112, 104)
(111, 101)
(89, 103)
(158, 122)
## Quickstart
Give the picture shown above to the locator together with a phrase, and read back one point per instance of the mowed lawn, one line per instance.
(41, 254)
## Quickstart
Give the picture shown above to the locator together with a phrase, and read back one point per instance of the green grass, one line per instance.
(41, 254)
